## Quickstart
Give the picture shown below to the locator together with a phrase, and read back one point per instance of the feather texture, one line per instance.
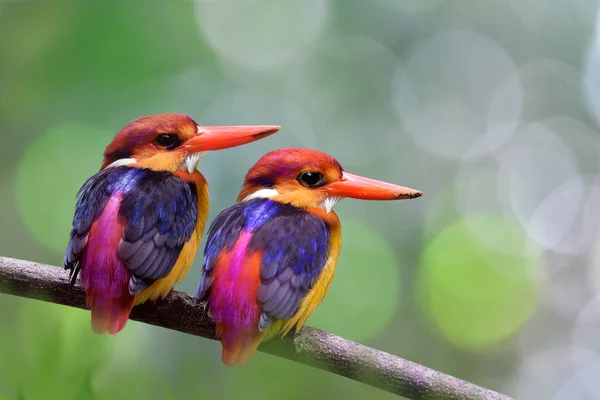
(103, 273)
(262, 258)
(152, 215)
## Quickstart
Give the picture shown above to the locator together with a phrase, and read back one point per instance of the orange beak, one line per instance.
(224, 137)
(358, 187)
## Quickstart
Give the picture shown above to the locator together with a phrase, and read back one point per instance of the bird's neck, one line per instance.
(194, 177)
(201, 185)
(330, 218)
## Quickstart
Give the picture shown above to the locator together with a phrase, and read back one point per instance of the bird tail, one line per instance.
(109, 314)
(107, 293)
(233, 304)
(103, 274)
(238, 347)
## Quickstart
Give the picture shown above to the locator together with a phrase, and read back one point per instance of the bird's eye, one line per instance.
(167, 140)
(311, 179)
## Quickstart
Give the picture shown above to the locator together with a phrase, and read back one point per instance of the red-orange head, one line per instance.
(171, 141)
(309, 179)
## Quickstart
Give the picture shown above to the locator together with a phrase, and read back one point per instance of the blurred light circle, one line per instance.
(366, 266)
(472, 191)
(569, 218)
(445, 126)
(443, 210)
(344, 88)
(548, 88)
(479, 294)
(553, 219)
(357, 141)
(593, 270)
(225, 171)
(382, 20)
(541, 374)
(566, 288)
(411, 6)
(582, 385)
(189, 90)
(490, 141)
(442, 95)
(506, 103)
(591, 79)
(553, 18)
(479, 189)
(584, 332)
(535, 163)
(476, 188)
(247, 107)
(548, 193)
(261, 34)
(534, 13)
(260, 107)
(51, 171)
(582, 140)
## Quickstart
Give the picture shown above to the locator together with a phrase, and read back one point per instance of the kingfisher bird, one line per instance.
(138, 222)
(270, 258)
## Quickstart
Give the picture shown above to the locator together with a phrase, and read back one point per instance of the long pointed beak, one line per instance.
(224, 137)
(358, 187)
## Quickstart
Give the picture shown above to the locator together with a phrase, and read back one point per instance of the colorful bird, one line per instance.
(270, 258)
(138, 222)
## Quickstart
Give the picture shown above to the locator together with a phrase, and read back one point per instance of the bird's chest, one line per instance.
(189, 250)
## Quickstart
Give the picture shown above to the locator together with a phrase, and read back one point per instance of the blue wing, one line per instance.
(160, 212)
(161, 215)
(294, 245)
(91, 200)
(295, 248)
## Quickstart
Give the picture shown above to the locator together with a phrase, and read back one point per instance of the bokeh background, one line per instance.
(492, 108)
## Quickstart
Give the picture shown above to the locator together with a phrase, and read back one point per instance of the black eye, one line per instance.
(311, 179)
(167, 140)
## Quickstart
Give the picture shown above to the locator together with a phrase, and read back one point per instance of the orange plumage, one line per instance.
(138, 222)
(270, 258)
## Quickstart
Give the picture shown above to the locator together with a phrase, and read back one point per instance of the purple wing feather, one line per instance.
(294, 244)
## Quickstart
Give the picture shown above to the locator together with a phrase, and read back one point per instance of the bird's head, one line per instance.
(310, 179)
(170, 141)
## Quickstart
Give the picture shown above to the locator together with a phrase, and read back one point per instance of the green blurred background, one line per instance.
(490, 107)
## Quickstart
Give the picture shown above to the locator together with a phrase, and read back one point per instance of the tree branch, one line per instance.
(309, 346)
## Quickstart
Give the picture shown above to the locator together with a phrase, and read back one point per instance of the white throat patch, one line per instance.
(121, 162)
(328, 203)
(262, 194)
(190, 162)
